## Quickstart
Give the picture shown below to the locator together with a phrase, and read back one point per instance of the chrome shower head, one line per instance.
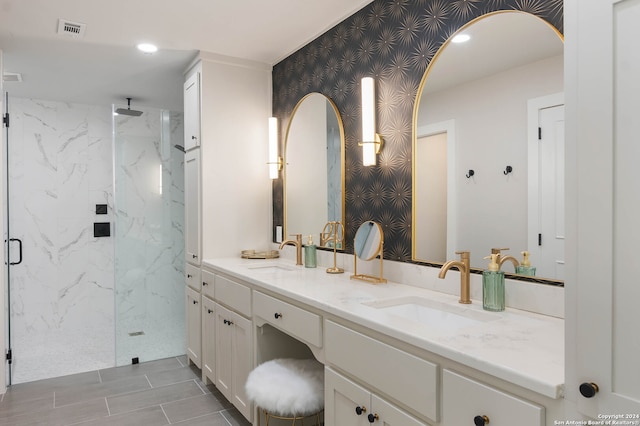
(128, 110)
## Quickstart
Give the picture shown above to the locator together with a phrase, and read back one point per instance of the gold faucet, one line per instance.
(298, 244)
(464, 268)
(501, 259)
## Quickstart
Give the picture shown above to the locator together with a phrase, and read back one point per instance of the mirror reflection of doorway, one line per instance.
(546, 177)
(431, 177)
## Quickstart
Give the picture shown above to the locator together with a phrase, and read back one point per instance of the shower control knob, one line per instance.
(589, 390)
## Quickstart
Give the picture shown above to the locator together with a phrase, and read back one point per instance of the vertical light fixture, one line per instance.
(275, 161)
(371, 141)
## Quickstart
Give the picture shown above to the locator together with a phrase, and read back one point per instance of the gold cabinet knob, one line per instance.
(481, 420)
(589, 390)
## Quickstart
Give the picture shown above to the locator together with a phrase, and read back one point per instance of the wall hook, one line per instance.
(508, 170)
(471, 173)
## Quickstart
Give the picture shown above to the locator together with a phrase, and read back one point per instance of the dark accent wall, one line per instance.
(393, 41)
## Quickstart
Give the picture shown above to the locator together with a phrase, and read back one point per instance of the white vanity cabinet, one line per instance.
(349, 404)
(233, 341)
(194, 336)
(400, 375)
(192, 111)
(468, 402)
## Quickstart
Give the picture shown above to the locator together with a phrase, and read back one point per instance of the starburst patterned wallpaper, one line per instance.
(392, 41)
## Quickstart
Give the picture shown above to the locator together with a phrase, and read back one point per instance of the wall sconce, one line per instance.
(275, 161)
(371, 141)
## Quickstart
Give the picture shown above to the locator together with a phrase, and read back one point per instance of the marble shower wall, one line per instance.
(149, 264)
(62, 294)
(69, 287)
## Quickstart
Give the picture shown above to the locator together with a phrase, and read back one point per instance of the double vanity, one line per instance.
(394, 354)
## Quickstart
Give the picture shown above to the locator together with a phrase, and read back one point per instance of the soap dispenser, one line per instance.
(493, 286)
(310, 254)
(525, 267)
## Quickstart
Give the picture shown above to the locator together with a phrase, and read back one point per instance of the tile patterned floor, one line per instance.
(163, 392)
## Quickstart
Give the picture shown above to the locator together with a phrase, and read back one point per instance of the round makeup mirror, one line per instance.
(368, 240)
(367, 245)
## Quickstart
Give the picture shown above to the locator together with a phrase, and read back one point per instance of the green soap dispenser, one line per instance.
(525, 267)
(493, 286)
(310, 254)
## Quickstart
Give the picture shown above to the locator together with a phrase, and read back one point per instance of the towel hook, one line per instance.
(508, 170)
(471, 173)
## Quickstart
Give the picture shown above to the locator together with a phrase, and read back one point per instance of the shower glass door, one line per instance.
(149, 240)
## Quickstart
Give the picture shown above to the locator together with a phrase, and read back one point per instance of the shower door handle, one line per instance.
(19, 251)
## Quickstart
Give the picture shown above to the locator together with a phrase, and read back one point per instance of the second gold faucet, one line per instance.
(298, 245)
(463, 266)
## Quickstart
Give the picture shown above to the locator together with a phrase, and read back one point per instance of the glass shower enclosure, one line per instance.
(149, 238)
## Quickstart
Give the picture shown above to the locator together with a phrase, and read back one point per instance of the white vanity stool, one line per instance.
(288, 389)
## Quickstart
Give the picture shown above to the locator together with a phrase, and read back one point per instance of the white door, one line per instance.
(346, 403)
(242, 360)
(224, 343)
(192, 206)
(547, 213)
(208, 339)
(192, 112)
(194, 330)
(603, 200)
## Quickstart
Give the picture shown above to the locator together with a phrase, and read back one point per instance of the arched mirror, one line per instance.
(313, 167)
(480, 177)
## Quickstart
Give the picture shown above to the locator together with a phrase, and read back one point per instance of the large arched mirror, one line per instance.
(481, 178)
(314, 167)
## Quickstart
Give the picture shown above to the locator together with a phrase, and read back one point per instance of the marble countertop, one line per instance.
(520, 347)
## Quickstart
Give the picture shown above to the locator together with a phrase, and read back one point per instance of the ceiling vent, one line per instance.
(72, 29)
(12, 77)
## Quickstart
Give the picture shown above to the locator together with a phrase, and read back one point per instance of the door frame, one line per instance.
(533, 122)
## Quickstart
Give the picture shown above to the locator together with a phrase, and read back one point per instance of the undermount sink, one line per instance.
(426, 311)
(270, 267)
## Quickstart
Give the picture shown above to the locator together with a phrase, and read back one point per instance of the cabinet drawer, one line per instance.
(464, 399)
(398, 374)
(192, 277)
(298, 322)
(232, 294)
(207, 284)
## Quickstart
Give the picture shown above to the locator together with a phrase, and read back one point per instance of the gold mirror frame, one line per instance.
(286, 201)
(377, 250)
(415, 138)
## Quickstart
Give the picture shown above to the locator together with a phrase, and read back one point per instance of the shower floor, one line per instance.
(58, 353)
(54, 353)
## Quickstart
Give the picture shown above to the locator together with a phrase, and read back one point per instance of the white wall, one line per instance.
(491, 133)
(236, 189)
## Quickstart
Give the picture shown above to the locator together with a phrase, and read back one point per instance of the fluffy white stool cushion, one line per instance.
(287, 387)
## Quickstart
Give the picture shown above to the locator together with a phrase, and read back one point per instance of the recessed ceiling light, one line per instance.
(147, 48)
(460, 38)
